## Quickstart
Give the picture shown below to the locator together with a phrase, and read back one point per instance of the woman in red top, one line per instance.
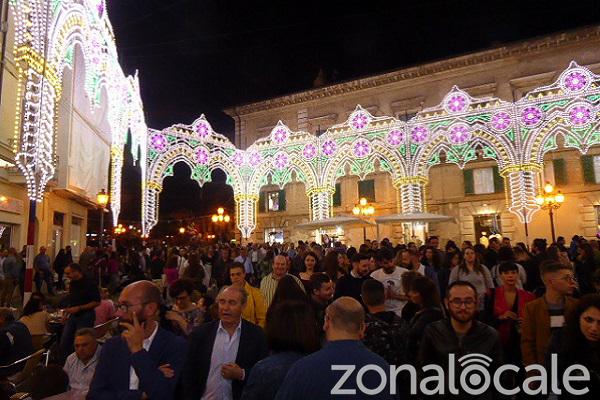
(504, 308)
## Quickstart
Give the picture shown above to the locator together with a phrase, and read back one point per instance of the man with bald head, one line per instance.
(344, 326)
(146, 360)
(269, 283)
(222, 352)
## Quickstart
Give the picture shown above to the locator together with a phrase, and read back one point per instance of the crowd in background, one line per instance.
(263, 321)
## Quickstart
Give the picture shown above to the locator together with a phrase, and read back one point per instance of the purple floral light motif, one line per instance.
(309, 151)
(329, 147)
(281, 160)
(100, 8)
(202, 155)
(500, 121)
(202, 129)
(580, 114)
(280, 135)
(238, 158)
(359, 120)
(575, 81)
(531, 116)
(158, 142)
(419, 134)
(361, 148)
(396, 137)
(254, 159)
(459, 134)
(456, 103)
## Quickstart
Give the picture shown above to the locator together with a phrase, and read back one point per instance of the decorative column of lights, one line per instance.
(320, 202)
(550, 200)
(520, 190)
(412, 194)
(150, 206)
(245, 212)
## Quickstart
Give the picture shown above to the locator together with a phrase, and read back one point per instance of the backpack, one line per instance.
(386, 339)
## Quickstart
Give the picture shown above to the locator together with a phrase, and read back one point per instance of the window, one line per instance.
(6, 232)
(271, 201)
(487, 226)
(591, 169)
(337, 195)
(483, 181)
(366, 189)
(59, 219)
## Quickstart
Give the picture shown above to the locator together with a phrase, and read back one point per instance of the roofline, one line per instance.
(527, 46)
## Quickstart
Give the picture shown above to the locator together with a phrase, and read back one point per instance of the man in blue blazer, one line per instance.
(146, 360)
(222, 352)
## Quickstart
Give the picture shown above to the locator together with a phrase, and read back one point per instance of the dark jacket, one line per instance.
(440, 340)
(384, 335)
(252, 348)
(268, 375)
(15, 344)
(417, 326)
(111, 380)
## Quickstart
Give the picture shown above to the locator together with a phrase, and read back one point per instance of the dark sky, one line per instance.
(201, 56)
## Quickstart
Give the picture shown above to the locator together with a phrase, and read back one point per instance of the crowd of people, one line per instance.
(267, 321)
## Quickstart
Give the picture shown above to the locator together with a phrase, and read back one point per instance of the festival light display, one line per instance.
(47, 34)
(459, 130)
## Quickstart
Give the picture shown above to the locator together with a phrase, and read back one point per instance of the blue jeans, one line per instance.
(85, 319)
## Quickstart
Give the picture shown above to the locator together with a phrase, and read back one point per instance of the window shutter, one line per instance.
(468, 176)
(261, 202)
(560, 172)
(366, 189)
(587, 163)
(337, 195)
(498, 180)
(282, 200)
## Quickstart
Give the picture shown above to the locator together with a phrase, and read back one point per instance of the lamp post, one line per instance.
(363, 208)
(550, 200)
(220, 217)
(102, 198)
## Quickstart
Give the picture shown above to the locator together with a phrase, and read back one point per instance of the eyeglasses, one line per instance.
(567, 278)
(125, 307)
(459, 302)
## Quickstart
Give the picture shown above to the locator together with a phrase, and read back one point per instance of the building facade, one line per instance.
(473, 196)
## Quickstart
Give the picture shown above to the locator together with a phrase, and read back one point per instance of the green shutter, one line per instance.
(469, 185)
(560, 172)
(261, 202)
(337, 195)
(588, 169)
(366, 189)
(282, 200)
(498, 181)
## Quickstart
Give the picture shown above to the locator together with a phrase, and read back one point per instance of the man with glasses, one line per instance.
(547, 313)
(461, 334)
(145, 361)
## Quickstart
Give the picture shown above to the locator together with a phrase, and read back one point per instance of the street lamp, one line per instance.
(550, 200)
(182, 230)
(363, 208)
(220, 216)
(102, 199)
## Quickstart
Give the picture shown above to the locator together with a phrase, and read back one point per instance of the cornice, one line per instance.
(528, 47)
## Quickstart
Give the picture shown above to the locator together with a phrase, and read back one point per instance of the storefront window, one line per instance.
(487, 226)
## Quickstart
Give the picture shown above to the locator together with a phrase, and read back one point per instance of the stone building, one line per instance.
(473, 196)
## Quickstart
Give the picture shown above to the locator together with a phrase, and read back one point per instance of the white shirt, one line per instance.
(224, 351)
(394, 281)
(134, 381)
(80, 374)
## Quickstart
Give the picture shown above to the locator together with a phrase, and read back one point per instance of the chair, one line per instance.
(31, 362)
(38, 341)
(102, 329)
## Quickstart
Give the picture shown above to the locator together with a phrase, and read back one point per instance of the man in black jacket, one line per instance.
(223, 352)
(460, 335)
(15, 342)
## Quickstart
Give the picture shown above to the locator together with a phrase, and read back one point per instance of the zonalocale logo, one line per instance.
(471, 375)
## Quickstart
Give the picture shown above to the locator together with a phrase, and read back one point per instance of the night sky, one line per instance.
(201, 56)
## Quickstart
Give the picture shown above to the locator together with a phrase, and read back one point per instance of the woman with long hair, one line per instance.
(291, 334)
(578, 342)
(35, 317)
(433, 260)
(424, 294)
(472, 271)
(332, 266)
(196, 273)
(311, 265)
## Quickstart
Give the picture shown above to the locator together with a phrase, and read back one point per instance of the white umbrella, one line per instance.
(412, 217)
(340, 220)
